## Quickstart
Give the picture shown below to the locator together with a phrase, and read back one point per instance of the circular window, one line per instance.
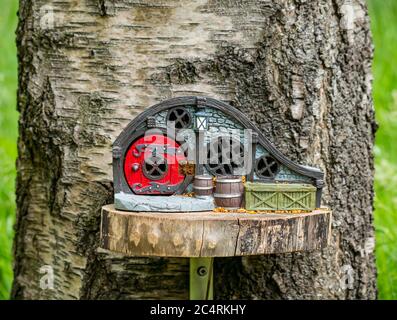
(267, 167)
(155, 167)
(225, 156)
(180, 116)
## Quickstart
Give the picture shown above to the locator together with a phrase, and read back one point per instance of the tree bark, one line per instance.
(299, 69)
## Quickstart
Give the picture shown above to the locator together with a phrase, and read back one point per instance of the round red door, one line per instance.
(151, 165)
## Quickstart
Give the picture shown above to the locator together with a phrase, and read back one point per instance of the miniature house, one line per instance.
(206, 146)
(149, 159)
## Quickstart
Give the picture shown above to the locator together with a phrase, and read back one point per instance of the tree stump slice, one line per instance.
(211, 234)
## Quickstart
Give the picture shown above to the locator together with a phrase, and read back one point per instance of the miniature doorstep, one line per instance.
(192, 153)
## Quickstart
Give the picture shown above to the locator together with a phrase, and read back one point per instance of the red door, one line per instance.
(151, 165)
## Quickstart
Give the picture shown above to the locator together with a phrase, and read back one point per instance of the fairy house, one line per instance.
(150, 159)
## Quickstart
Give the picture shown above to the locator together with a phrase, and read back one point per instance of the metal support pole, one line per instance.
(201, 278)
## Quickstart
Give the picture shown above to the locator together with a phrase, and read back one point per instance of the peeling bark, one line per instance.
(299, 69)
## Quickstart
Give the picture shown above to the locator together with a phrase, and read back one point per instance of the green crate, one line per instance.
(279, 196)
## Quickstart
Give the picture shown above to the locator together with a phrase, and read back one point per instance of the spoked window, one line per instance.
(155, 167)
(267, 167)
(180, 116)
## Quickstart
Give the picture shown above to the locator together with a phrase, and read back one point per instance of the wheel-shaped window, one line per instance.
(225, 156)
(155, 167)
(180, 116)
(267, 167)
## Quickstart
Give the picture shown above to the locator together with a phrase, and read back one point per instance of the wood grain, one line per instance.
(209, 234)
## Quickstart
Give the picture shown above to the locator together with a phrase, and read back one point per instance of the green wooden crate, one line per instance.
(279, 196)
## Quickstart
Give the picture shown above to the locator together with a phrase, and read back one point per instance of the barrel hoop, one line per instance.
(228, 180)
(203, 177)
(227, 196)
(203, 188)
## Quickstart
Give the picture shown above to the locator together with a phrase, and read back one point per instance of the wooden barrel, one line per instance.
(229, 192)
(202, 185)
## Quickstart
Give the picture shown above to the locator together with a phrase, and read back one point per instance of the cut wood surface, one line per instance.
(210, 234)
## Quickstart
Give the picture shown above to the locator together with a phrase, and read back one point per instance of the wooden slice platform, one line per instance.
(211, 234)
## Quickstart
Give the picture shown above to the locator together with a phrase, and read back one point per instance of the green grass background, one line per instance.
(383, 15)
(8, 137)
(384, 28)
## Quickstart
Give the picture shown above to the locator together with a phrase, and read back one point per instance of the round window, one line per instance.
(267, 167)
(155, 167)
(180, 116)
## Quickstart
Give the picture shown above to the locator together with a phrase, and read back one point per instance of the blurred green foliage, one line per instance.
(8, 137)
(383, 15)
(384, 28)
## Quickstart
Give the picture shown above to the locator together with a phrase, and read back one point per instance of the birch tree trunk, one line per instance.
(299, 69)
